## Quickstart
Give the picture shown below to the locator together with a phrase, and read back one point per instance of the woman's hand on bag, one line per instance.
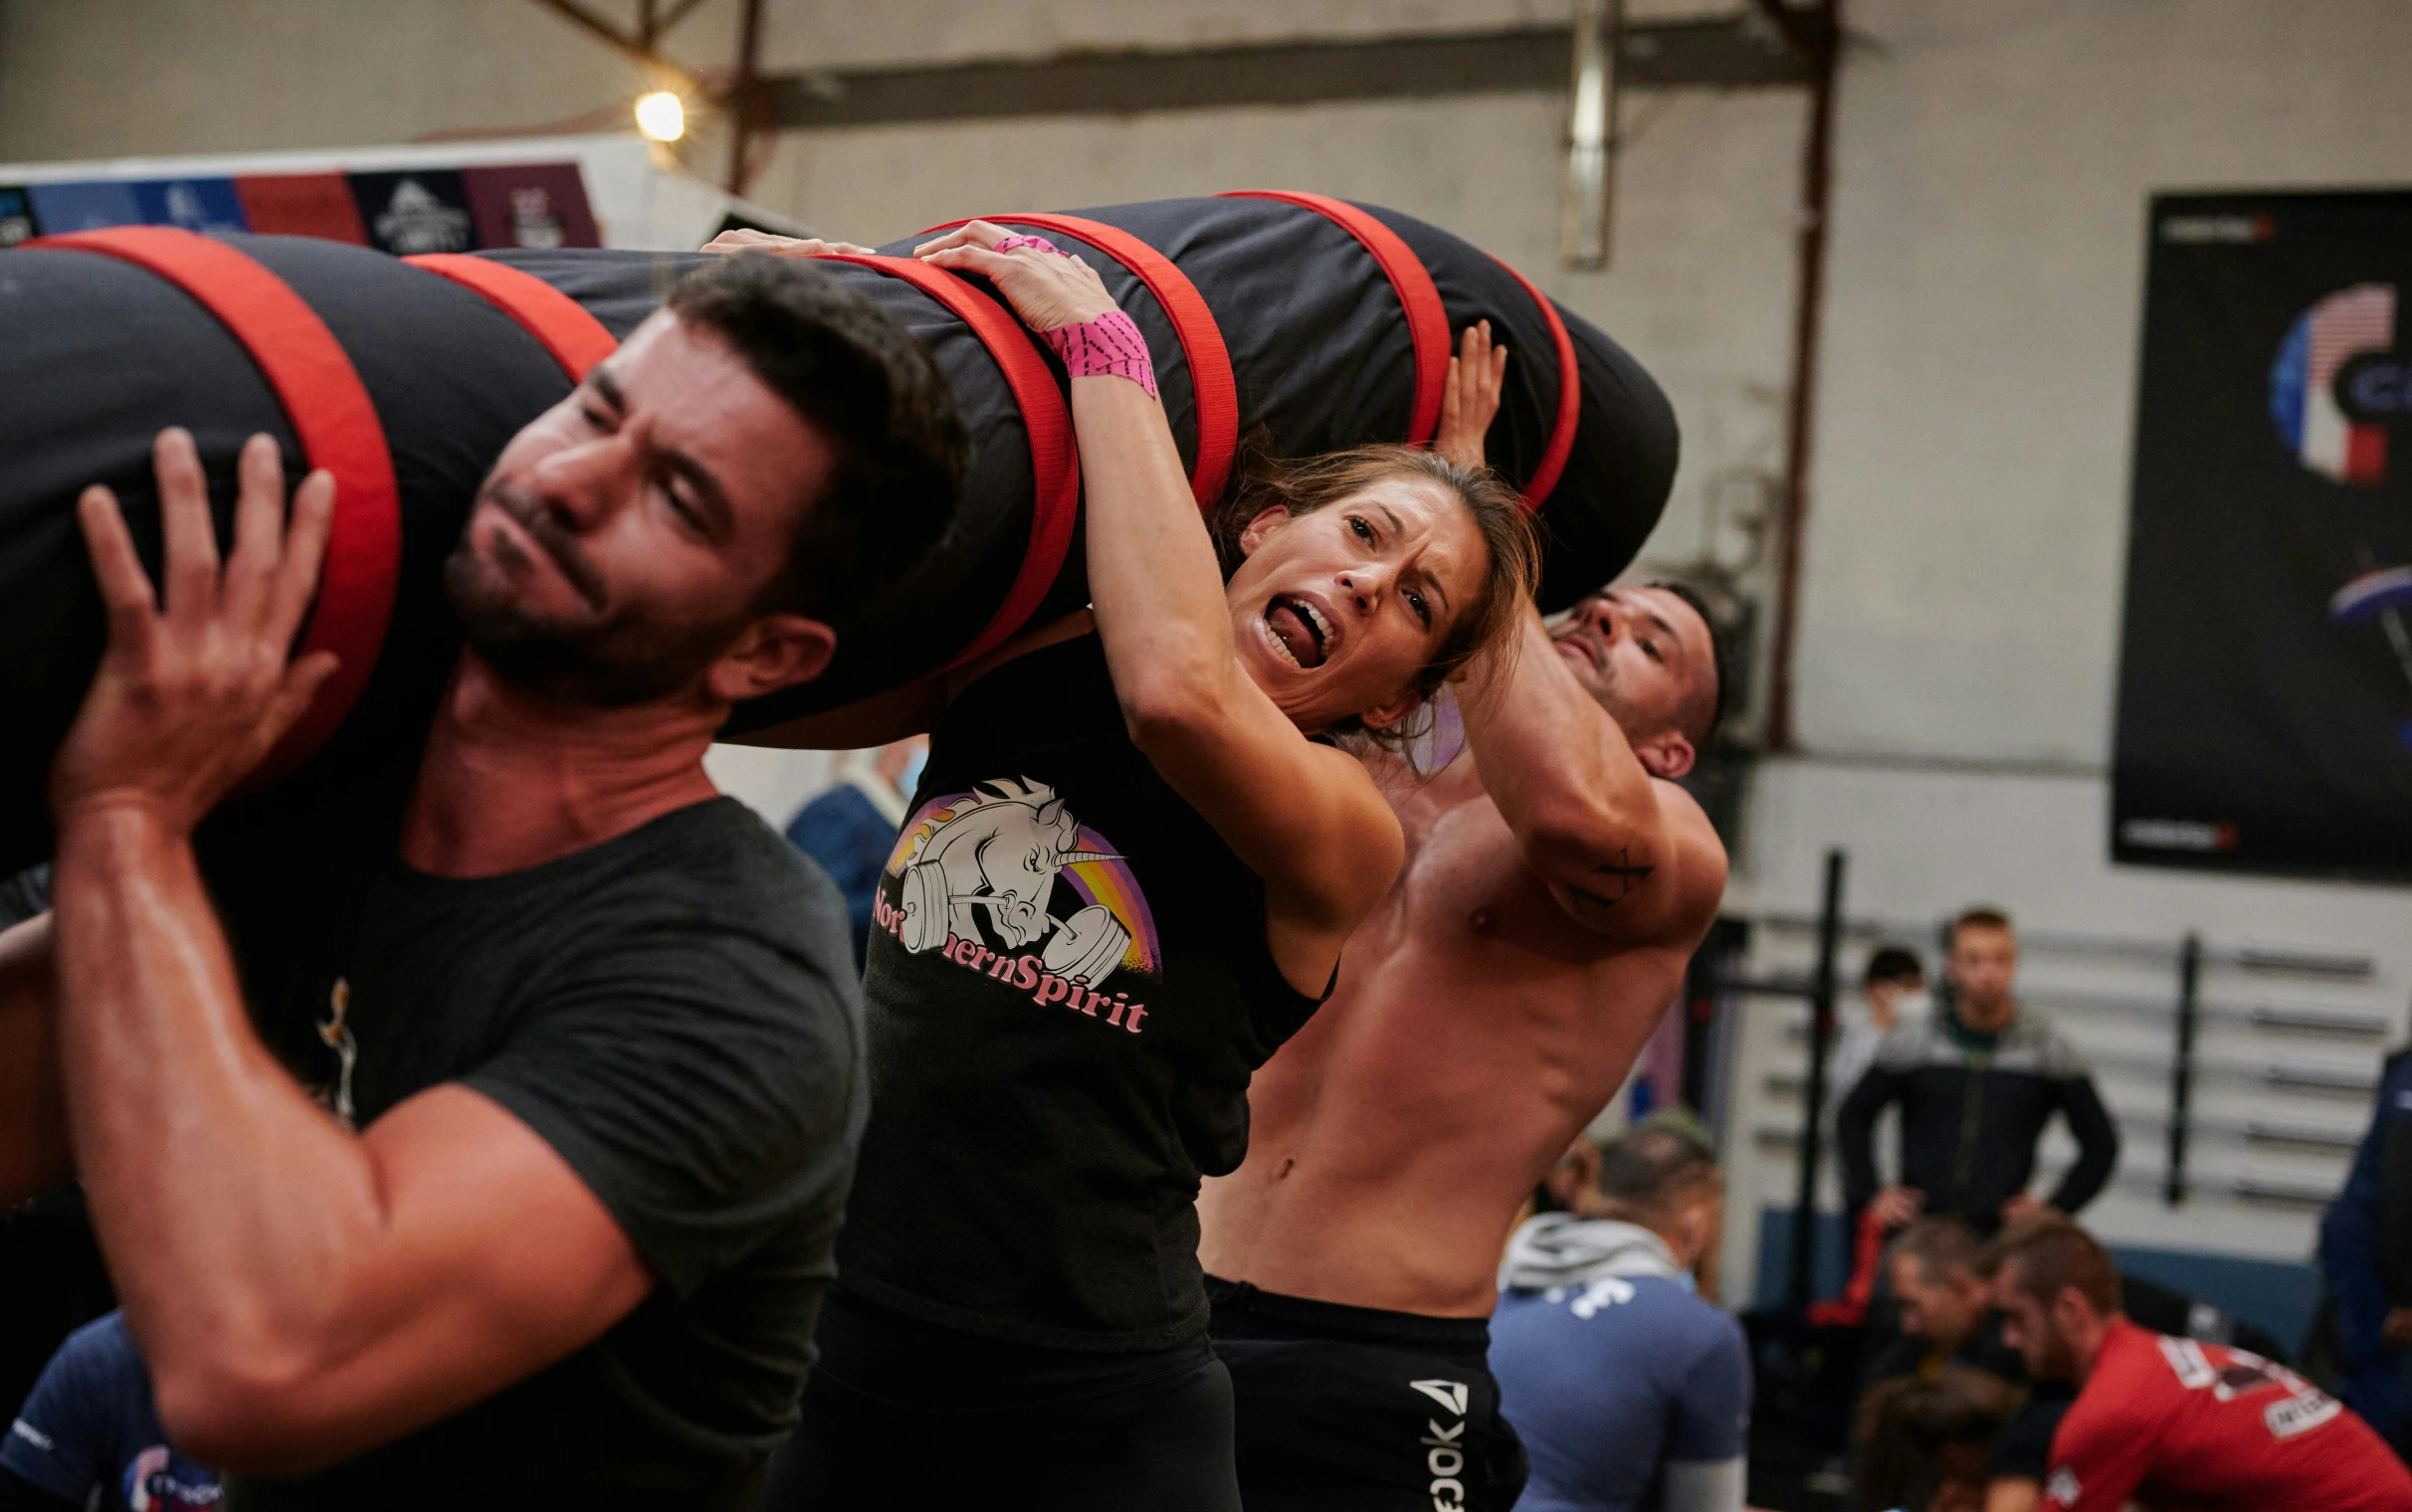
(742, 239)
(1048, 290)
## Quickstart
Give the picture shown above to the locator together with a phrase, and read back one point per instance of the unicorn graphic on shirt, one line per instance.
(990, 857)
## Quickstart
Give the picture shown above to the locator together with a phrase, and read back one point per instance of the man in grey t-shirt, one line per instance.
(512, 1156)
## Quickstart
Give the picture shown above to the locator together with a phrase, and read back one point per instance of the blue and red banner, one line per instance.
(538, 205)
(2264, 696)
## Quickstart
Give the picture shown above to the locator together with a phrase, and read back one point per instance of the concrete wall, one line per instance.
(1959, 626)
(83, 79)
(1995, 156)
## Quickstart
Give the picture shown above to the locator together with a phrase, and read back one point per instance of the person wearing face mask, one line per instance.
(1895, 989)
(1628, 1391)
(1557, 881)
(1126, 878)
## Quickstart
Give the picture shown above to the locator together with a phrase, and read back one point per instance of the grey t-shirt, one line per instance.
(675, 1012)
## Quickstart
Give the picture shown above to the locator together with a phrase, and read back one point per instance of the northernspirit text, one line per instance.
(1025, 972)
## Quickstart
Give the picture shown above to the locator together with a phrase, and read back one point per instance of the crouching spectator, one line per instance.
(1630, 1392)
(1939, 1269)
(1925, 1444)
(2175, 1424)
(89, 1437)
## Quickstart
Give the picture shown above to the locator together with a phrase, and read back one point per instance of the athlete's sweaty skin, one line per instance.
(1556, 882)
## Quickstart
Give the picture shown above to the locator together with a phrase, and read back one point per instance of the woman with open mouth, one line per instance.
(1134, 856)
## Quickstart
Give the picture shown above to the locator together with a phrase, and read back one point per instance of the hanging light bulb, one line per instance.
(662, 116)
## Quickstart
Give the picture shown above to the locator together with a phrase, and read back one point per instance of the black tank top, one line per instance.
(1068, 989)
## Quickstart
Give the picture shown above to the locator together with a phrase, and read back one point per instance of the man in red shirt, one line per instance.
(2174, 1425)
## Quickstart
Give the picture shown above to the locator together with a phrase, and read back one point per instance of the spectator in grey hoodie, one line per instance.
(1631, 1393)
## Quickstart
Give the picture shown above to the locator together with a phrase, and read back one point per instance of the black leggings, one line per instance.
(906, 1415)
(1359, 1409)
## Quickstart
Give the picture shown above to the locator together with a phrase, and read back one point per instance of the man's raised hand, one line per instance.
(193, 693)
(1469, 395)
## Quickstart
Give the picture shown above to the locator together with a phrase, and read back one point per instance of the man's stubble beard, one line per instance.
(614, 662)
(1602, 687)
(2059, 1355)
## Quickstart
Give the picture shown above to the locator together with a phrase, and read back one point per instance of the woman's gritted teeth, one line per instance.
(1301, 629)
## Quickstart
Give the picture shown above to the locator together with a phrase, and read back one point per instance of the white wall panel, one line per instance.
(1994, 157)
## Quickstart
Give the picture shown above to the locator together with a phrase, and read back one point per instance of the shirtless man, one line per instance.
(1556, 883)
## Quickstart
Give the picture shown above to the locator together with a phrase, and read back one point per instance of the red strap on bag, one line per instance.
(560, 324)
(1055, 504)
(337, 426)
(1427, 321)
(1217, 392)
(1570, 401)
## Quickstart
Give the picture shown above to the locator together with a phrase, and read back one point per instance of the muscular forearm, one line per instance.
(1305, 818)
(33, 1109)
(1153, 574)
(230, 1205)
(1563, 773)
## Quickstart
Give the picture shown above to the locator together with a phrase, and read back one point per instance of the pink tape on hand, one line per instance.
(1110, 345)
(1039, 242)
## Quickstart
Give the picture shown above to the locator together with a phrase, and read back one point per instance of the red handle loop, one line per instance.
(560, 324)
(1570, 400)
(1427, 321)
(337, 426)
(1055, 504)
(1217, 393)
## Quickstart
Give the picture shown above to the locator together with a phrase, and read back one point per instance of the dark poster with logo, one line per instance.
(2264, 693)
(421, 210)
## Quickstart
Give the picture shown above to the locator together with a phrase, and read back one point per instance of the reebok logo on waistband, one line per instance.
(1445, 1447)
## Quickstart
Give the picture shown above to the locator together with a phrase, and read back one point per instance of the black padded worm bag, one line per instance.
(1306, 323)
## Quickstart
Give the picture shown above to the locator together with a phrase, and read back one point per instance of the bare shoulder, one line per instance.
(1699, 856)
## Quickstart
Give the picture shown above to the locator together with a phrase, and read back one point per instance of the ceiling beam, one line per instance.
(1724, 53)
(1809, 30)
(633, 49)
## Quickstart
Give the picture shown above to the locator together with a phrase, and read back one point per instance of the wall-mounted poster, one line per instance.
(89, 205)
(2264, 693)
(301, 204)
(17, 222)
(538, 205)
(421, 210)
(404, 212)
(206, 205)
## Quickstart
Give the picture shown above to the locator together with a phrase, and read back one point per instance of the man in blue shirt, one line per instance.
(2365, 1251)
(88, 1436)
(1631, 1393)
(850, 829)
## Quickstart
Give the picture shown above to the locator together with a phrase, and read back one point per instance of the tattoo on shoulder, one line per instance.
(1618, 878)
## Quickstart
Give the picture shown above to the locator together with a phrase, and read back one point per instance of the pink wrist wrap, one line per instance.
(1111, 344)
